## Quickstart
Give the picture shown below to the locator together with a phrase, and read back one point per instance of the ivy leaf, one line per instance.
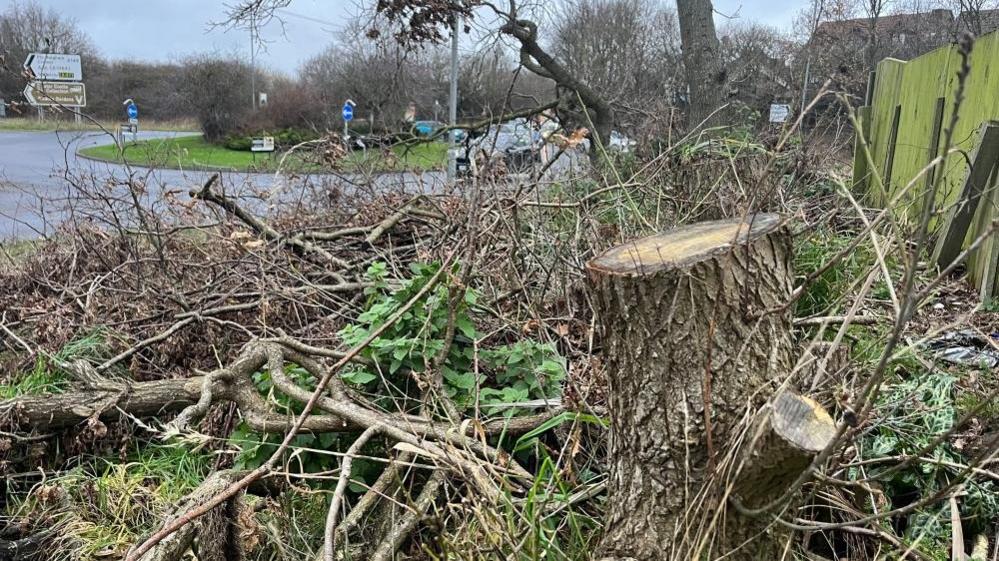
(327, 440)
(402, 351)
(359, 377)
(465, 381)
(516, 355)
(465, 326)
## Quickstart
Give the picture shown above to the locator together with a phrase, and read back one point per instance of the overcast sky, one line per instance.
(168, 29)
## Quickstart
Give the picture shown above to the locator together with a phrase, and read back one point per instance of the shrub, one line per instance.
(218, 91)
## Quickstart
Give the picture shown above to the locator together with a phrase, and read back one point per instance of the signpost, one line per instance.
(779, 112)
(50, 66)
(129, 128)
(348, 115)
(132, 126)
(56, 80)
(263, 144)
(67, 94)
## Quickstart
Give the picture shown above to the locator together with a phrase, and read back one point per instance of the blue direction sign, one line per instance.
(133, 111)
(348, 112)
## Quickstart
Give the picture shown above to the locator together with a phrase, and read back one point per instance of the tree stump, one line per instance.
(691, 340)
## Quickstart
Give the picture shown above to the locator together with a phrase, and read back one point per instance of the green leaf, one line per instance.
(359, 377)
(516, 356)
(327, 440)
(402, 351)
(524, 441)
(465, 381)
(465, 326)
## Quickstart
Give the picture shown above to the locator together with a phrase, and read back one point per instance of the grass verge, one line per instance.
(54, 124)
(193, 152)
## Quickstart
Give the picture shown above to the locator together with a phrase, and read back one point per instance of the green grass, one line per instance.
(14, 252)
(831, 287)
(40, 380)
(101, 508)
(193, 152)
(44, 377)
(64, 124)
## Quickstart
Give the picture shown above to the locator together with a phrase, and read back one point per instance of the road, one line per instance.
(38, 171)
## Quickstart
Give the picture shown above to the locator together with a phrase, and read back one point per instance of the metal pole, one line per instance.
(804, 85)
(253, 64)
(452, 152)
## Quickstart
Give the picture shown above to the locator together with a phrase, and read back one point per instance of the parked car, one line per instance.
(427, 128)
(514, 142)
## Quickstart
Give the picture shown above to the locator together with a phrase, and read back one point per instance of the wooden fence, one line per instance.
(903, 128)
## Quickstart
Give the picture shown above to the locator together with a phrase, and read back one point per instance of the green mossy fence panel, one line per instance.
(907, 122)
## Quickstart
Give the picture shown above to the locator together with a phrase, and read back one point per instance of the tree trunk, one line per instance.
(691, 340)
(701, 59)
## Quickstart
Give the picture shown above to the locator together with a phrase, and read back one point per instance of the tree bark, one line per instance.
(52, 412)
(691, 340)
(701, 59)
(142, 399)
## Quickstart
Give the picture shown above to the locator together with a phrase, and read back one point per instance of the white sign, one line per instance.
(263, 144)
(262, 99)
(779, 112)
(46, 66)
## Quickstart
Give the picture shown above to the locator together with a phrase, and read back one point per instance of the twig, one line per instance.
(256, 474)
(341, 487)
(828, 320)
(391, 542)
(299, 245)
(12, 335)
(391, 221)
(956, 532)
(145, 343)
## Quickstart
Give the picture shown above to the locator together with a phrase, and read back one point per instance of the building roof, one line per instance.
(938, 20)
(970, 20)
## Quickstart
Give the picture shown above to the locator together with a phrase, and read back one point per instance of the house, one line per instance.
(898, 35)
(978, 22)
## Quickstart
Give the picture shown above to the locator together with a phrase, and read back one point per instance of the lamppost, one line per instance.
(452, 153)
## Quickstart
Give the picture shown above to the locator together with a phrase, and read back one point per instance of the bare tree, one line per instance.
(215, 88)
(873, 9)
(974, 15)
(421, 22)
(757, 59)
(27, 27)
(628, 50)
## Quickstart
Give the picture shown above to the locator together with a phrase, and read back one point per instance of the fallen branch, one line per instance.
(830, 320)
(386, 483)
(341, 487)
(173, 548)
(143, 399)
(398, 533)
(264, 230)
(256, 474)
